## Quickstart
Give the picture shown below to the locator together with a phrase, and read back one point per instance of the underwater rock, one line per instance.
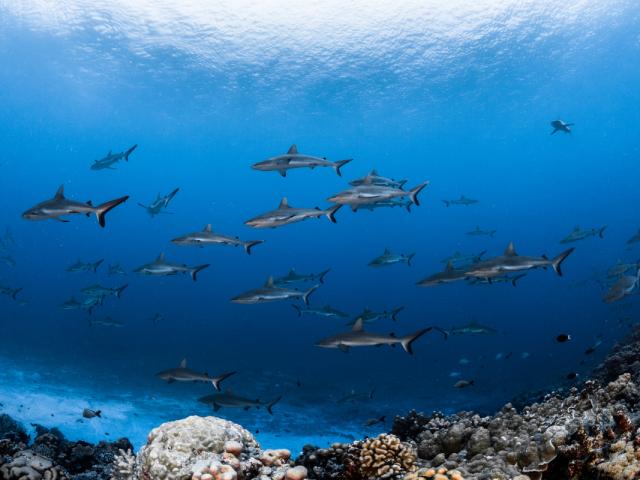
(559, 438)
(174, 448)
(51, 456)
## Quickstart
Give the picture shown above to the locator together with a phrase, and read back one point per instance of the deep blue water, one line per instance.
(461, 96)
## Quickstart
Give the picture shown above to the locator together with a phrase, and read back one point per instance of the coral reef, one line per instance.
(205, 448)
(51, 457)
(559, 438)
(386, 457)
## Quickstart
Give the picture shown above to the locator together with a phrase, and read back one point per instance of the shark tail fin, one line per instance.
(409, 258)
(251, 243)
(413, 193)
(121, 289)
(407, 341)
(95, 266)
(102, 210)
(218, 380)
(272, 403)
(339, 164)
(515, 279)
(554, 131)
(129, 152)
(298, 310)
(198, 269)
(306, 295)
(556, 263)
(330, 213)
(395, 312)
(323, 274)
(601, 231)
(15, 292)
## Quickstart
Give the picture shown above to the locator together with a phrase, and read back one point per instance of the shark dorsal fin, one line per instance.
(510, 251)
(576, 228)
(449, 267)
(108, 154)
(387, 251)
(373, 173)
(284, 203)
(269, 282)
(293, 150)
(357, 326)
(60, 192)
(160, 258)
(183, 363)
(292, 272)
(208, 228)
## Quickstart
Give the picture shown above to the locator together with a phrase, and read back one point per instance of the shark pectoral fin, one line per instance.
(62, 220)
(343, 348)
(282, 172)
(216, 407)
(170, 380)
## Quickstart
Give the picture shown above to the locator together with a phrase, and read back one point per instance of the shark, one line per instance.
(60, 206)
(100, 291)
(471, 328)
(80, 266)
(326, 311)
(373, 178)
(388, 258)
(477, 232)
(458, 258)
(560, 126)
(460, 201)
(270, 292)
(406, 204)
(91, 302)
(106, 322)
(635, 238)
(11, 292)
(579, 234)
(184, 374)
(293, 159)
(294, 277)
(229, 399)
(160, 203)
(286, 214)
(161, 267)
(71, 304)
(208, 237)
(512, 279)
(448, 275)
(8, 260)
(368, 194)
(116, 269)
(355, 396)
(625, 285)
(111, 158)
(358, 337)
(510, 261)
(621, 268)
(369, 316)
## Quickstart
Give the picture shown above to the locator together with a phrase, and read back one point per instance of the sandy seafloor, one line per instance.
(36, 395)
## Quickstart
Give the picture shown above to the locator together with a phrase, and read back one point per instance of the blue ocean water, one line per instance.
(460, 95)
